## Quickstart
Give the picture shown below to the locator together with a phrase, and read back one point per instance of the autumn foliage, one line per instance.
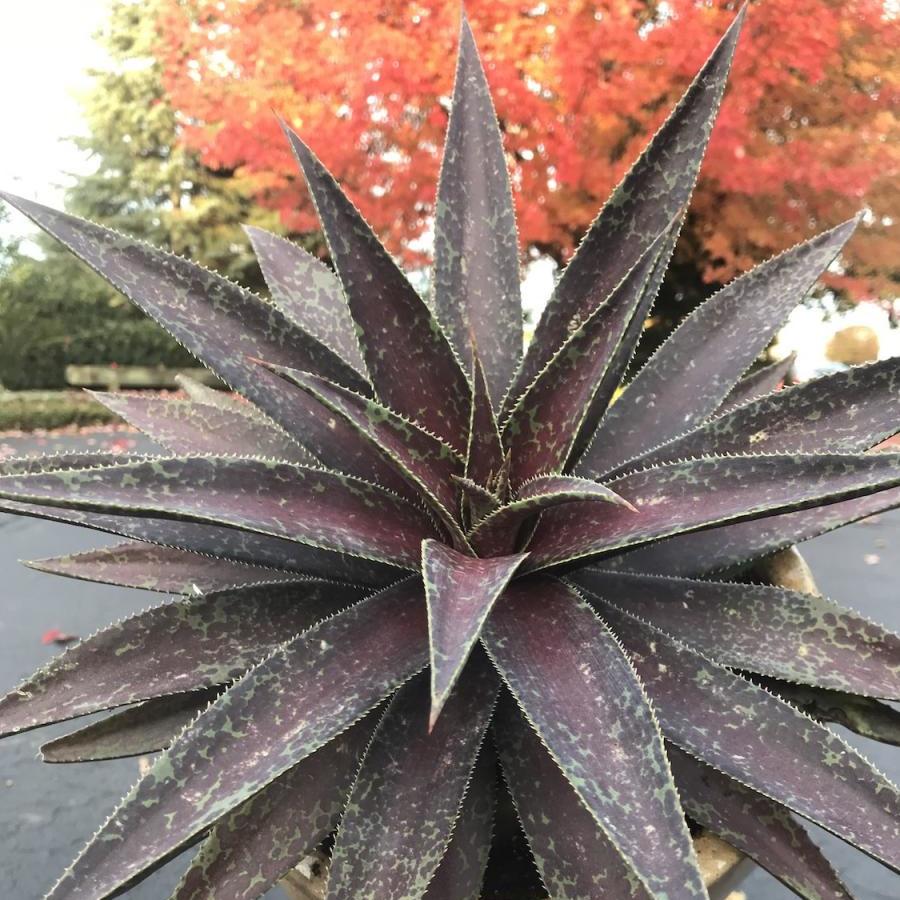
(808, 135)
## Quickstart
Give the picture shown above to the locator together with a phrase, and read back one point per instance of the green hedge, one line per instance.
(31, 410)
(54, 312)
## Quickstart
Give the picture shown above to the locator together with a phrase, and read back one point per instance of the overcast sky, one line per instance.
(45, 49)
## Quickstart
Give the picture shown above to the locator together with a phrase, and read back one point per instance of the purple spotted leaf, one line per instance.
(687, 379)
(733, 546)
(699, 493)
(762, 742)
(544, 422)
(498, 531)
(424, 461)
(484, 457)
(209, 396)
(755, 825)
(253, 846)
(769, 630)
(141, 729)
(656, 188)
(410, 360)
(221, 542)
(570, 676)
(870, 718)
(179, 646)
(843, 412)
(185, 426)
(152, 567)
(757, 384)
(407, 796)
(461, 871)
(308, 293)
(476, 252)
(216, 320)
(460, 591)
(288, 707)
(313, 506)
(575, 857)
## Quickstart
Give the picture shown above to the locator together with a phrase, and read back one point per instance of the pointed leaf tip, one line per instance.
(409, 357)
(476, 288)
(460, 592)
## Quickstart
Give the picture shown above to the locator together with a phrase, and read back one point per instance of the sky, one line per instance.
(46, 47)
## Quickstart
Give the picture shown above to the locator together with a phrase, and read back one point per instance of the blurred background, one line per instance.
(158, 118)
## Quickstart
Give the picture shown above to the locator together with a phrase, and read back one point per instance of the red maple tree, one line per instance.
(807, 136)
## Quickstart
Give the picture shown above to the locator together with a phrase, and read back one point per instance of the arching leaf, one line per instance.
(155, 568)
(313, 506)
(476, 253)
(407, 796)
(769, 630)
(658, 185)
(172, 648)
(698, 493)
(695, 369)
(761, 742)
(185, 426)
(287, 708)
(409, 358)
(584, 863)
(575, 684)
(145, 728)
(307, 293)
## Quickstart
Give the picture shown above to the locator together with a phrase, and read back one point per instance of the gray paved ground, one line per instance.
(47, 812)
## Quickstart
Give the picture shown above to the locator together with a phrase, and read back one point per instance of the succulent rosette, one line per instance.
(409, 552)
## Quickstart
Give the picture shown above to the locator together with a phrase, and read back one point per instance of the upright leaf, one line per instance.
(870, 718)
(253, 846)
(221, 542)
(152, 567)
(843, 412)
(756, 826)
(476, 251)
(757, 384)
(575, 857)
(543, 424)
(185, 426)
(407, 796)
(735, 545)
(575, 684)
(461, 871)
(144, 728)
(484, 457)
(460, 591)
(499, 531)
(169, 649)
(313, 506)
(695, 369)
(306, 291)
(762, 629)
(289, 706)
(762, 742)
(700, 493)
(658, 185)
(407, 354)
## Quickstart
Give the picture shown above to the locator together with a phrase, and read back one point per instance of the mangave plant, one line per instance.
(406, 546)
